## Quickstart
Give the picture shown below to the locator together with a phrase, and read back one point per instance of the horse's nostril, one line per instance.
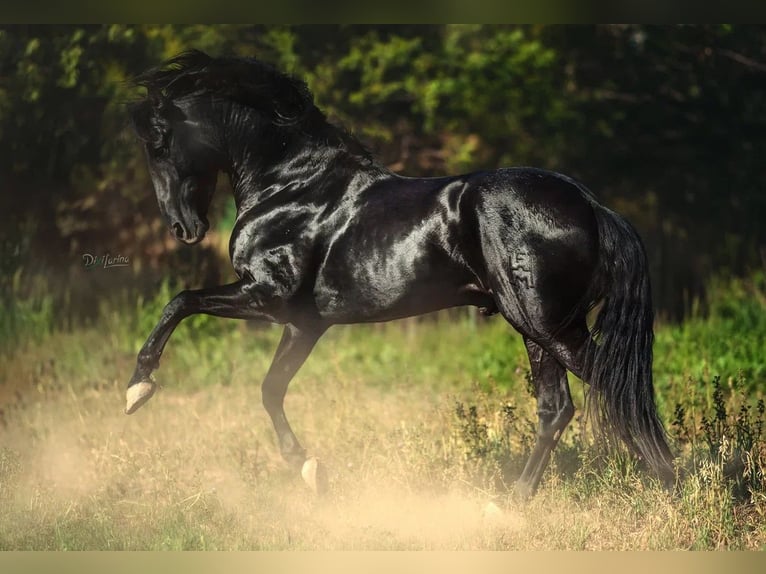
(178, 229)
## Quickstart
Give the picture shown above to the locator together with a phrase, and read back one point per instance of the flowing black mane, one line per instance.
(285, 99)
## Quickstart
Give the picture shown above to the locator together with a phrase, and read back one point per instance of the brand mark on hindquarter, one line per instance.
(521, 274)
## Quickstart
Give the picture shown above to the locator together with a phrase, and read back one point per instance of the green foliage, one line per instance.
(728, 340)
(663, 122)
(24, 317)
(10, 469)
(486, 92)
(25, 321)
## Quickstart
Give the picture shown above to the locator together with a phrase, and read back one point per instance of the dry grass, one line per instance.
(199, 469)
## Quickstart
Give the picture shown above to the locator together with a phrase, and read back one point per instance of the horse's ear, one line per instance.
(292, 103)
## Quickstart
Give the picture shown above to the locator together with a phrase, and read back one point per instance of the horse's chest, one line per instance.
(275, 261)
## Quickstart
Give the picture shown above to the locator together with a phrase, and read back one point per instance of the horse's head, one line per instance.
(203, 115)
(183, 160)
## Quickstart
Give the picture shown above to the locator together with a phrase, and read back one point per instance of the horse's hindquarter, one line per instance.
(539, 239)
(400, 251)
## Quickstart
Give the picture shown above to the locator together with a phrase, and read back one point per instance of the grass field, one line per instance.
(421, 425)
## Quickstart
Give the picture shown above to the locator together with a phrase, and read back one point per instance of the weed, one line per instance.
(493, 444)
(733, 438)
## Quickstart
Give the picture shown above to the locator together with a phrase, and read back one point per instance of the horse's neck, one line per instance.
(307, 164)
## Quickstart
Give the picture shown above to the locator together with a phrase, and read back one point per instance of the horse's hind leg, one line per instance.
(554, 408)
(293, 349)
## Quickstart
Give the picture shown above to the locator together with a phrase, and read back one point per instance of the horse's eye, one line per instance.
(158, 151)
(159, 144)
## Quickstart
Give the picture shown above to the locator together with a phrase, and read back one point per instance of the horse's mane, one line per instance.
(248, 82)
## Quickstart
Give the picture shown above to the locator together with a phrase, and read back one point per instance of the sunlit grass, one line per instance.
(422, 425)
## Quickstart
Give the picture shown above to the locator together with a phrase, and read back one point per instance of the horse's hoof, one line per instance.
(138, 394)
(523, 492)
(491, 511)
(314, 475)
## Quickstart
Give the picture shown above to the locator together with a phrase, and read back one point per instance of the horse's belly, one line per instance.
(358, 306)
(380, 287)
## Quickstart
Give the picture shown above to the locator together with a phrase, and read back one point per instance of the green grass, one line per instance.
(422, 425)
(728, 340)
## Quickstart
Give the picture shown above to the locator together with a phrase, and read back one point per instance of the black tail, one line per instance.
(618, 358)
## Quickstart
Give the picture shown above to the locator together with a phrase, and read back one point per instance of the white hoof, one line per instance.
(311, 474)
(491, 511)
(138, 394)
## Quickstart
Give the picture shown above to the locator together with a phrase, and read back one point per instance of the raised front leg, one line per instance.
(554, 408)
(240, 300)
(293, 349)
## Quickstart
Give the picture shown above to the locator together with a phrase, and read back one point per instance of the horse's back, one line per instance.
(410, 245)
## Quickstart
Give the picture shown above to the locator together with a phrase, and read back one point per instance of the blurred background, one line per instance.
(665, 124)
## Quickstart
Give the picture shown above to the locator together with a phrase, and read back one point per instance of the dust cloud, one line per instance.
(202, 471)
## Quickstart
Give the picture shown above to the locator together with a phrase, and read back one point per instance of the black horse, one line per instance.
(324, 236)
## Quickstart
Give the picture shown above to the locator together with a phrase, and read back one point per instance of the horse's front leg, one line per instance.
(240, 300)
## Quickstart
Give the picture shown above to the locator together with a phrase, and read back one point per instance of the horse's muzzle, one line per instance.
(190, 234)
